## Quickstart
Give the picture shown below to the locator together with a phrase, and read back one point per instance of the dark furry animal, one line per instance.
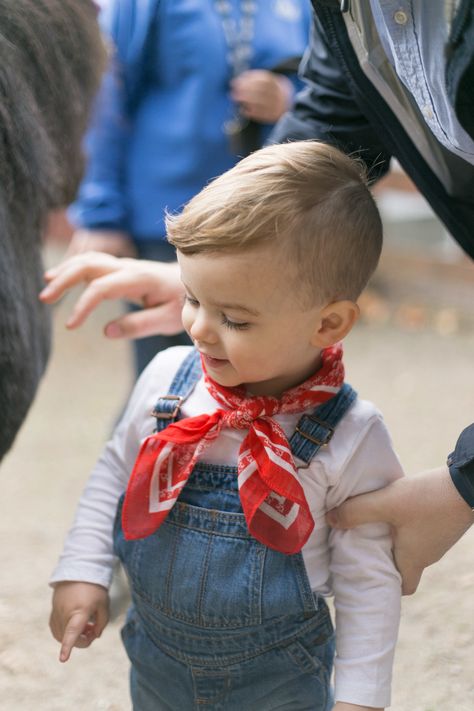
(51, 60)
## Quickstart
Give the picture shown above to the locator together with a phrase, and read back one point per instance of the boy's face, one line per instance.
(246, 323)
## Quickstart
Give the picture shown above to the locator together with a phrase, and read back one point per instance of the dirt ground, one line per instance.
(415, 361)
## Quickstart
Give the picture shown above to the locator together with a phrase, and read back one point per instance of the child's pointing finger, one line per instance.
(78, 633)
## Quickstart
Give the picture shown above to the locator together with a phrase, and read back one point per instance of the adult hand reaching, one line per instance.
(154, 285)
(426, 513)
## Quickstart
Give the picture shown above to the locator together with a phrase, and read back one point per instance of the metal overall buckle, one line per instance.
(169, 415)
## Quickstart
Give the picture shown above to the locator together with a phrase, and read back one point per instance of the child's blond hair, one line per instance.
(308, 200)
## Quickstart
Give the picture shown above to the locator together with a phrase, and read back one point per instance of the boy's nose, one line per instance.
(202, 331)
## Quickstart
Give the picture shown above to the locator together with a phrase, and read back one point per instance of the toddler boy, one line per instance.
(222, 530)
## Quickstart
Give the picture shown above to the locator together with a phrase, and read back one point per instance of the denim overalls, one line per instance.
(219, 621)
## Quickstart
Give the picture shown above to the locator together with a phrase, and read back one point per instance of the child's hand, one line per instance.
(79, 615)
(343, 706)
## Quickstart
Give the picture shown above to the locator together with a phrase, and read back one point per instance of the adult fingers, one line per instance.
(89, 261)
(73, 271)
(411, 576)
(252, 97)
(139, 282)
(111, 286)
(252, 87)
(61, 282)
(135, 287)
(257, 112)
(164, 319)
(246, 94)
(115, 285)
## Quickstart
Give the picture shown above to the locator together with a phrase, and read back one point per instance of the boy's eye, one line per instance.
(237, 325)
(190, 300)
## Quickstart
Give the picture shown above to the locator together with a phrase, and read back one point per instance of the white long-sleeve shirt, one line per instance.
(355, 566)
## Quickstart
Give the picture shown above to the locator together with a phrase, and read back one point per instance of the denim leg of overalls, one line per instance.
(219, 621)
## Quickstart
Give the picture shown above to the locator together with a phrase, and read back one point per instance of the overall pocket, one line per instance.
(200, 567)
(314, 650)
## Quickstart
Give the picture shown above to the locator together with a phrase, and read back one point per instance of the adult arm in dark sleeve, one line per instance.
(327, 110)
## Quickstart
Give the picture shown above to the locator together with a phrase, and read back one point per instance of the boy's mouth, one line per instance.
(214, 362)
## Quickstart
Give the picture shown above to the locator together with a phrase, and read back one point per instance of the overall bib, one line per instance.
(219, 621)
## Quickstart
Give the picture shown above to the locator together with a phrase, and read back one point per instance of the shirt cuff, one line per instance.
(97, 575)
(363, 695)
(461, 465)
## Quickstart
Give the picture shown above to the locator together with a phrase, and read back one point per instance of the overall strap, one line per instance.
(167, 407)
(316, 430)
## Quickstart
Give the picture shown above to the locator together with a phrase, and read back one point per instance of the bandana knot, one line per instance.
(271, 495)
(243, 419)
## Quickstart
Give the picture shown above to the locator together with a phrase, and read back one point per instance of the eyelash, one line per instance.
(233, 325)
(190, 300)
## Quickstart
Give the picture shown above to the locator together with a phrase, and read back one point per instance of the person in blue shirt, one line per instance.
(191, 89)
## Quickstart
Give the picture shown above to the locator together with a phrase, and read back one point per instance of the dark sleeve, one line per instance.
(327, 110)
(461, 465)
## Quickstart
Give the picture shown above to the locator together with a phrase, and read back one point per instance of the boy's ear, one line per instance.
(336, 320)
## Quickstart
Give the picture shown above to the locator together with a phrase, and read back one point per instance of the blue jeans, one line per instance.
(218, 620)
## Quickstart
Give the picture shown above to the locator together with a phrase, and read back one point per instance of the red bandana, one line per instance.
(272, 498)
